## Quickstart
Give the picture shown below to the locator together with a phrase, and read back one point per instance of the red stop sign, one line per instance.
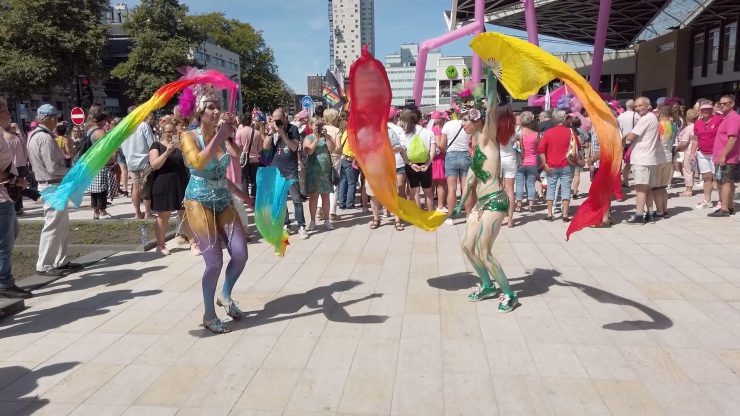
(78, 116)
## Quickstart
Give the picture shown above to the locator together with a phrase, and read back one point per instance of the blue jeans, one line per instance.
(457, 164)
(564, 176)
(526, 175)
(8, 234)
(295, 196)
(347, 184)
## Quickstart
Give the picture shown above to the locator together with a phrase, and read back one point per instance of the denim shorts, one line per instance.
(562, 176)
(457, 164)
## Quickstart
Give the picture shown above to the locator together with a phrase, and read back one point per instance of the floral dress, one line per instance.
(318, 172)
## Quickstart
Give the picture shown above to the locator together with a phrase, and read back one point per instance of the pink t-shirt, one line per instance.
(529, 146)
(706, 132)
(730, 126)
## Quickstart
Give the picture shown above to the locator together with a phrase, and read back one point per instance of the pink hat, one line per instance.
(437, 115)
(706, 106)
(302, 114)
(392, 112)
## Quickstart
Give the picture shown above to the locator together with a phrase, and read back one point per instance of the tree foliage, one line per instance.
(45, 43)
(260, 82)
(162, 39)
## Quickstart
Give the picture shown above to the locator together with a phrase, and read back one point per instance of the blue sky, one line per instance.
(298, 30)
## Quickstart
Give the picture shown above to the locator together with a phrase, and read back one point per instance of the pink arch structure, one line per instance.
(478, 26)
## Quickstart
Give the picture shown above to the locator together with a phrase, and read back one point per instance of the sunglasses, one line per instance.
(725, 103)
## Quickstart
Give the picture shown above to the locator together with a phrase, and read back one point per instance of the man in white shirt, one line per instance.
(136, 151)
(647, 154)
(627, 122)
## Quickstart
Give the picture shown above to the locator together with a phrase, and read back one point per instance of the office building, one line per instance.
(351, 25)
(401, 70)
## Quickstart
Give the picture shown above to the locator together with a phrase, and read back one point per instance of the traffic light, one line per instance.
(85, 94)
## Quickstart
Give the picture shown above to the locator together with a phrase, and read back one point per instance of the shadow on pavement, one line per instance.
(108, 278)
(319, 300)
(539, 282)
(40, 320)
(17, 382)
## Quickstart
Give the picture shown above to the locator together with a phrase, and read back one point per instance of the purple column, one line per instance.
(480, 12)
(530, 17)
(472, 29)
(605, 8)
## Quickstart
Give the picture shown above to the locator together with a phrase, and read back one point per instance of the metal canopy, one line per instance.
(714, 12)
(574, 20)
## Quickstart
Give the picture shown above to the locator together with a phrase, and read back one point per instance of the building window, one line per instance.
(730, 36)
(713, 46)
(698, 49)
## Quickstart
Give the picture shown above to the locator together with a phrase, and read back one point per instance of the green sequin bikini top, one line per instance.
(477, 165)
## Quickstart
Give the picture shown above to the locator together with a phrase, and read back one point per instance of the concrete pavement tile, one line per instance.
(583, 331)
(98, 410)
(150, 411)
(123, 322)
(682, 398)
(702, 367)
(604, 362)
(711, 334)
(628, 397)
(42, 408)
(318, 391)
(693, 291)
(270, 389)
(556, 360)
(510, 359)
(456, 303)
(306, 326)
(569, 396)
(542, 330)
(500, 328)
(727, 397)
(379, 355)
(16, 407)
(566, 307)
(249, 351)
(87, 348)
(175, 386)
(519, 395)
(210, 411)
(367, 392)
(421, 327)
(126, 386)
(416, 393)
(290, 353)
(459, 327)
(37, 381)
(208, 351)
(166, 350)
(45, 348)
(126, 349)
(13, 370)
(725, 291)
(730, 358)
(81, 384)
(422, 304)
(251, 412)
(221, 388)
(462, 394)
(653, 364)
(721, 312)
(464, 356)
(333, 354)
(420, 356)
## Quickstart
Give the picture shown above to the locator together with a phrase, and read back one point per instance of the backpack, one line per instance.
(85, 145)
(417, 151)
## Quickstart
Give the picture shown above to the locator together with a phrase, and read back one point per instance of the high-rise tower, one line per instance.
(351, 25)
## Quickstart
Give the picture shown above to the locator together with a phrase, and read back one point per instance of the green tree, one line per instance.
(260, 83)
(45, 43)
(162, 39)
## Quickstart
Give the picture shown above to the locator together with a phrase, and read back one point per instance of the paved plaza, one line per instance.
(630, 320)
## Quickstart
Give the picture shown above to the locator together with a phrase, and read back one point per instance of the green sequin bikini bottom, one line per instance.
(495, 201)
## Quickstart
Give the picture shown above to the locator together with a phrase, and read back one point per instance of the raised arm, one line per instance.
(194, 156)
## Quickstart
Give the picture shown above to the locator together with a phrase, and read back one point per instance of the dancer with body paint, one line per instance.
(209, 205)
(484, 221)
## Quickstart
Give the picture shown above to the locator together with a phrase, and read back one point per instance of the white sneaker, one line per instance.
(449, 221)
(312, 226)
(106, 217)
(442, 210)
(328, 225)
(287, 229)
(703, 205)
(302, 233)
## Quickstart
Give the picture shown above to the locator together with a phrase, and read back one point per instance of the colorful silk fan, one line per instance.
(368, 137)
(270, 208)
(523, 68)
(83, 172)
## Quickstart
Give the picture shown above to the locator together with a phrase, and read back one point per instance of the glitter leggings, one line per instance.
(211, 230)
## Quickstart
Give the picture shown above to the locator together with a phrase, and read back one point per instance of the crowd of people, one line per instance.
(203, 169)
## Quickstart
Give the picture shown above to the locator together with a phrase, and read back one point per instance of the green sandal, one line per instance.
(232, 308)
(216, 326)
(507, 303)
(482, 292)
